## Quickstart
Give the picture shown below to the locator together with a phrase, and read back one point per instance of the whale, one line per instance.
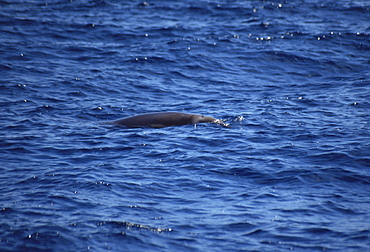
(164, 119)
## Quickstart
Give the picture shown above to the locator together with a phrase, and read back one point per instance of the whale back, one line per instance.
(162, 119)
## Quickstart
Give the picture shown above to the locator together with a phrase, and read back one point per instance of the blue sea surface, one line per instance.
(292, 172)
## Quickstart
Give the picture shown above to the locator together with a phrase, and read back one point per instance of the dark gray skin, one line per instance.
(163, 119)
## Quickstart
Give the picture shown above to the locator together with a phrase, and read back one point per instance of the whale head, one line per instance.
(202, 119)
(208, 119)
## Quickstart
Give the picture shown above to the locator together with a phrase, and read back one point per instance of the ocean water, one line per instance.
(291, 173)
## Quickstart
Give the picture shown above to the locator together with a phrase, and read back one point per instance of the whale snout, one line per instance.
(209, 119)
(205, 119)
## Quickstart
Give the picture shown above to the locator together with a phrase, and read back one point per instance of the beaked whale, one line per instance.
(164, 119)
